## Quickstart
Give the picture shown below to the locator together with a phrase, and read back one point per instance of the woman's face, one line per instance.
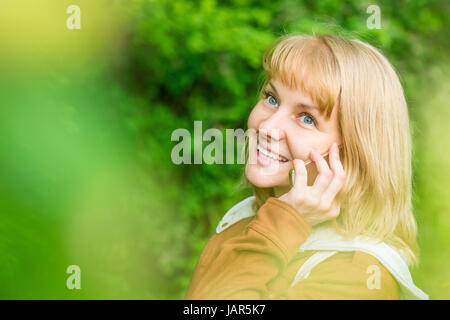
(289, 125)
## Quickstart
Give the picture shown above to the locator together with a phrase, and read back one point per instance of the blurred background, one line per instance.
(86, 117)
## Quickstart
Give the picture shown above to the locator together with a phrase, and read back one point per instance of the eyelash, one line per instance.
(268, 94)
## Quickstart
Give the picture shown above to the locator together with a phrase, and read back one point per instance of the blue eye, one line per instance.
(309, 120)
(270, 98)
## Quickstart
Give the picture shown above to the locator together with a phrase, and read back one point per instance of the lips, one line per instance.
(271, 155)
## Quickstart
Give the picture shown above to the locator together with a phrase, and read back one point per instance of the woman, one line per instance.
(345, 229)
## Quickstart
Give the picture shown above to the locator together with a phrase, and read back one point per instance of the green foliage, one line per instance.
(202, 61)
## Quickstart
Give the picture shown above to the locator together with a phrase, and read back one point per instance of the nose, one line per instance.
(273, 127)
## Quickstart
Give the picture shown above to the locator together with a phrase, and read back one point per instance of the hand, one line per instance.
(317, 203)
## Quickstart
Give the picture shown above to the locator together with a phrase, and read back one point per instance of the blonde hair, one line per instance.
(374, 123)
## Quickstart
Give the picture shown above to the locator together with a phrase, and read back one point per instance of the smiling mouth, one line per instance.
(271, 155)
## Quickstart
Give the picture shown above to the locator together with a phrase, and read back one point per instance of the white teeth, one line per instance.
(269, 154)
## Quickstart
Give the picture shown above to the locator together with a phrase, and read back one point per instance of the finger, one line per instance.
(324, 176)
(301, 176)
(338, 177)
(334, 211)
(335, 161)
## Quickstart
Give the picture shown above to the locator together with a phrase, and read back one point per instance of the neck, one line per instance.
(279, 191)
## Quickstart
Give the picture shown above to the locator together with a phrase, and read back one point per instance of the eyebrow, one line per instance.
(300, 104)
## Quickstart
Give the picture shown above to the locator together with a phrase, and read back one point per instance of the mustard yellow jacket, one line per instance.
(257, 258)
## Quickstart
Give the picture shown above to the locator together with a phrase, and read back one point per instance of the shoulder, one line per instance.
(354, 275)
(375, 274)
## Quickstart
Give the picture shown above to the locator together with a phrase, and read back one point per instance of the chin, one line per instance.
(264, 180)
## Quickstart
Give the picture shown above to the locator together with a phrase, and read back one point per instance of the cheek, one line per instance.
(300, 146)
(256, 117)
